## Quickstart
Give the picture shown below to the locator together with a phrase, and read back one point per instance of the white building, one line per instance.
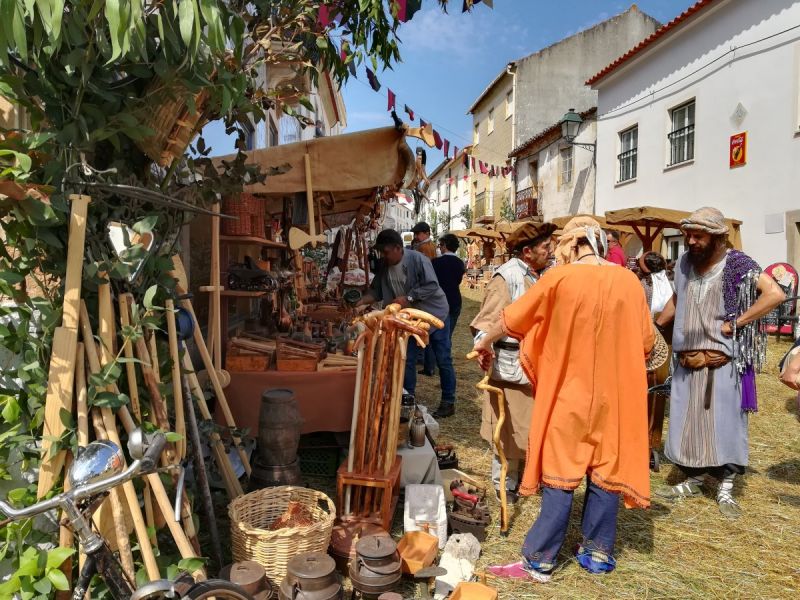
(449, 192)
(672, 109)
(555, 178)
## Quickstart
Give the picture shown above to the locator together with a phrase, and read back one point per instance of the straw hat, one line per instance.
(660, 353)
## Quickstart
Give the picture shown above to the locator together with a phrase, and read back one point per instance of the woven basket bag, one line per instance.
(251, 514)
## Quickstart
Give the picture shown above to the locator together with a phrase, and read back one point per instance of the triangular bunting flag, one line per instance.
(482, 167)
(422, 122)
(409, 111)
(455, 151)
(391, 102)
(446, 148)
(324, 16)
(406, 9)
(437, 139)
(373, 81)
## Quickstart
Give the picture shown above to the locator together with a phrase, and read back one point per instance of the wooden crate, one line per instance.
(296, 364)
(239, 361)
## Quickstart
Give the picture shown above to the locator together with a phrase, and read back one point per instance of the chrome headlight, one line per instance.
(98, 461)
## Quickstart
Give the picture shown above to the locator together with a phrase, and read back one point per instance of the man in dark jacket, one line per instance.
(450, 272)
(407, 278)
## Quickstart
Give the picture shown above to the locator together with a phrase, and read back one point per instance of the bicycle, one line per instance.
(97, 469)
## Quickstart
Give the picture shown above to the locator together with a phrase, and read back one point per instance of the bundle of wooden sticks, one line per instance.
(381, 344)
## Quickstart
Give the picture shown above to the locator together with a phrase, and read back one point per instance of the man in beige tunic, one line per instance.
(531, 248)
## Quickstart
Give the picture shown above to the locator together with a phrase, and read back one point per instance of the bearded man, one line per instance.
(584, 331)
(531, 247)
(720, 295)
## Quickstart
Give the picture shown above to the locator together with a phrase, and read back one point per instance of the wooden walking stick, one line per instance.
(360, 342)
(130, 367)
(61, 375)
(498, 444)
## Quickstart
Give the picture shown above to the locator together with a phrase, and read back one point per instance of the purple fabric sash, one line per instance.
(737, 266)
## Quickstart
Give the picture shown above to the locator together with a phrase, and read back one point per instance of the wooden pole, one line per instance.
(177, 392)
(179, 274)
(66, 539)
(216, 343)
(182, 542)
(130, 367)
(61, 376)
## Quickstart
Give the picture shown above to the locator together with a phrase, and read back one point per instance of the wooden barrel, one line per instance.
(279, 425)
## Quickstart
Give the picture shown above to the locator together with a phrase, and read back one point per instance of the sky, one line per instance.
(449, 59)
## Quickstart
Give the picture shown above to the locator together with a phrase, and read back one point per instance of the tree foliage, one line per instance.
(90, 76)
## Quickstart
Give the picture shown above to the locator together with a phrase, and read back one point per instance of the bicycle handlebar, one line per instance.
(147, 464)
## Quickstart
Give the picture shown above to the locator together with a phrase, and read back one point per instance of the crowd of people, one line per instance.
(565, 328)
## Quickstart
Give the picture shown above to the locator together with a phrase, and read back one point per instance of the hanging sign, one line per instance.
(738, 150)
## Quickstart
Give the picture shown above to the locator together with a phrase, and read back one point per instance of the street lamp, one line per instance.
(570, 127)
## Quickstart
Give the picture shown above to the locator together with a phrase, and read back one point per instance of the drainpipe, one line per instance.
(511, 69)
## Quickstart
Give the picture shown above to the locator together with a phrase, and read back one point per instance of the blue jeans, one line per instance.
(429, 364)
(598, 523)
(439, 341)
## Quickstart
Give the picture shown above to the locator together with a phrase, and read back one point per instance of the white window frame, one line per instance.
(509, 103)
(566, 166)
(628, 157)
(681, 136)
(490, 121)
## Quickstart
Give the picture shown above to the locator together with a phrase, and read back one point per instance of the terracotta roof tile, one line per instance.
(651, 39)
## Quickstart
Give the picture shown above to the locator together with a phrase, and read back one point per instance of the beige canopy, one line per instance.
(648, 222)
(345, 169)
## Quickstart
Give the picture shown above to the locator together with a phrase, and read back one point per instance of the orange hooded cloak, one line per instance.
(584, 332)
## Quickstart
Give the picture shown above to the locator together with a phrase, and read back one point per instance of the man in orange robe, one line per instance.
(584, 331)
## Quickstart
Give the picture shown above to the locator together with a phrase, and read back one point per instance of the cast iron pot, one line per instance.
(311, 576)
(376, 567)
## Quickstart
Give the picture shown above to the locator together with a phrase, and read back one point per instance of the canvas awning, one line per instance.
(345, 169)
(560, 222)
(648, 222)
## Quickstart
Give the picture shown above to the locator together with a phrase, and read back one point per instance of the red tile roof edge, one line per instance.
(651, 39)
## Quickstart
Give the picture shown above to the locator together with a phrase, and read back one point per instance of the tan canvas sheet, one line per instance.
(664, 217)
(353, 164)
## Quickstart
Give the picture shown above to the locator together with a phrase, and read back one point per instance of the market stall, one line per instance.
(282, 318)
(649, 222)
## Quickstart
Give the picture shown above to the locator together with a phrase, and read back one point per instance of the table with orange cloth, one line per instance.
(324, 398)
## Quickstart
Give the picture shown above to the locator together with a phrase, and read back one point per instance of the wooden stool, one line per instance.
(388, 485)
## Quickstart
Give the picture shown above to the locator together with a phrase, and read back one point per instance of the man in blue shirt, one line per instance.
(407, 278)
(450, 271)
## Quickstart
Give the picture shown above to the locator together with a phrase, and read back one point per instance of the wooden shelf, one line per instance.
(241, 293)
(256, 241)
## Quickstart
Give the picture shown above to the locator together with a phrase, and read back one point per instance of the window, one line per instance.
(566, 165)
(681, 138)
(290, 129)
(509, 103)
(476, 136)
(490, 124)
(273, 133)
(627, 158)
(250, 137)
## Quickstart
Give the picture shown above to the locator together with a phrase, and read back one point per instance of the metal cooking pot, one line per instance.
(376, 567)
(311, 576)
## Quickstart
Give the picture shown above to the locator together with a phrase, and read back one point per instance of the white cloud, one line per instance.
(432, 30)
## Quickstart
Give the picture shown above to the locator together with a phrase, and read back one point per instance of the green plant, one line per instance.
(88, 74)
(38, 575)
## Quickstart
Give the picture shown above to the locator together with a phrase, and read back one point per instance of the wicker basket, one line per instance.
(172, 119)
(251, 514)
(250, 212)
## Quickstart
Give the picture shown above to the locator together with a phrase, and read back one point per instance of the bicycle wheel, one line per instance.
(216, 588)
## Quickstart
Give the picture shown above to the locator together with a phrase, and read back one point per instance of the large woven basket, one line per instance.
(172, 118)
(252, 514)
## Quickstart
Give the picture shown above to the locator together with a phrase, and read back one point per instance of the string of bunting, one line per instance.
(404, 11)
(441, 143)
